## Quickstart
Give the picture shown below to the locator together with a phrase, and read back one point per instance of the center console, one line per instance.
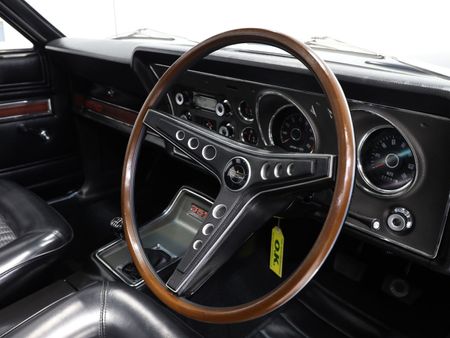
(164, 239)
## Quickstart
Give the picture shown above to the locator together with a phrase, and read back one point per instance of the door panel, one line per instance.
(21, 69)
(38, 143)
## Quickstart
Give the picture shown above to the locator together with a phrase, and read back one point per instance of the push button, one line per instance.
(193, 143)
(219, 211)
(209, 152)
(278, 170)
(180, 135)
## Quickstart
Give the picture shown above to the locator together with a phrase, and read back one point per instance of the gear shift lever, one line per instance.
(116, 225)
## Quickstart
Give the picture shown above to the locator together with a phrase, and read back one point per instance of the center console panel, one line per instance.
(165, 239)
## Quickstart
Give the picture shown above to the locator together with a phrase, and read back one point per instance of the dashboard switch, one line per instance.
(193, 143)
(179, 98)
(265, 171)
(376, 225)
(227, 130)
(400, 220)
(223, 108)
(182, 98)
(209, 152)
(277, 172)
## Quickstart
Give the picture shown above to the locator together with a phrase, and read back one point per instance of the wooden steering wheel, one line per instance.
(250, 191)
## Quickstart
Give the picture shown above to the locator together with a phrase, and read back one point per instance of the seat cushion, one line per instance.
(31, 235)
(101, 310)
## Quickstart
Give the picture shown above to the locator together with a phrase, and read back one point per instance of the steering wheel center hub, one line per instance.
(237, 173)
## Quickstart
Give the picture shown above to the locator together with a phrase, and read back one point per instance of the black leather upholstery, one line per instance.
(31, 235)
(102, 310)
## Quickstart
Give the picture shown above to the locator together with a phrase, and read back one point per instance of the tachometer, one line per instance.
(386, 161)
(291, 130)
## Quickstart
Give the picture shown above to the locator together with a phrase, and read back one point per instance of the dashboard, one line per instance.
(401, 196)
(394, 200)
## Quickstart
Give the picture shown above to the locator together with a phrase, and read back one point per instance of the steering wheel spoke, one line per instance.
(202, 146)
(237, 165)
(206, 251)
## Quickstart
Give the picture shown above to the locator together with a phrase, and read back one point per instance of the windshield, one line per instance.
(404, 29)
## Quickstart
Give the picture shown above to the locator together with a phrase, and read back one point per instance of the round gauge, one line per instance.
(249, 135)
(290, 130)
(246, 111)
(385, 160)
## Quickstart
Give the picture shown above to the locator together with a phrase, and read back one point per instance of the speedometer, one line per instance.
(386, 162)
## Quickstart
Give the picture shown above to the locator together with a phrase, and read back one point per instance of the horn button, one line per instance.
(237, 173)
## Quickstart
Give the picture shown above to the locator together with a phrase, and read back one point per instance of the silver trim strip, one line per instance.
(25, 53)
(167, 94)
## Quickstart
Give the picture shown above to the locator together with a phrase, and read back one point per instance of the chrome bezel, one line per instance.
(290, 101)
(241, 136)
(246, 119)
(301, 112)
(249, 172)
(373, 188)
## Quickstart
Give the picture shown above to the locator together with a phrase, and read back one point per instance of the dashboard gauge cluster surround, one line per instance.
(290, 130)
(288, 125)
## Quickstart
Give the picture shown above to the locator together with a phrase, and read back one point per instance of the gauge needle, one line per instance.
(378, 164)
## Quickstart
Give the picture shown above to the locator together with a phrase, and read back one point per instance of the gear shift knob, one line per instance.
(117, 226)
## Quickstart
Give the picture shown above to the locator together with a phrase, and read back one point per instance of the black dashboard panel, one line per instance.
(423, 202)
(401, 205)
(411, 213)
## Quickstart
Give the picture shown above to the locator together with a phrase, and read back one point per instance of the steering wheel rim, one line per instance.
(338, 207)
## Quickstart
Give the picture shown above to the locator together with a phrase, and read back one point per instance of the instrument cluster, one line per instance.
(231, 117)
(270, 121)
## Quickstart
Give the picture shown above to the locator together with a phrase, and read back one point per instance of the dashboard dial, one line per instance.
(245, 111)
(291, 130)
(386, 161)
(249, 135)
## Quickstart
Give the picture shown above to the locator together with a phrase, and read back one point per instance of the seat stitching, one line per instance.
(102, 302)
(106, 307)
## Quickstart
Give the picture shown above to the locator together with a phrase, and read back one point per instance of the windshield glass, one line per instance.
(404, 29)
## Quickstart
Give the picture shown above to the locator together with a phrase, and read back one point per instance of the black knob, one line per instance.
(227, 130)
(186, 116)
(223, 108)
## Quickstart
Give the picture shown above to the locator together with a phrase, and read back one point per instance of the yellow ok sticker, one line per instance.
(276, 251)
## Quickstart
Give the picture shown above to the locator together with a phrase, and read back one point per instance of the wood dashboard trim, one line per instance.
(110, 110)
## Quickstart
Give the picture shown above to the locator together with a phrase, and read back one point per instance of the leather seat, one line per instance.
(31, 236)
(101, 310)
